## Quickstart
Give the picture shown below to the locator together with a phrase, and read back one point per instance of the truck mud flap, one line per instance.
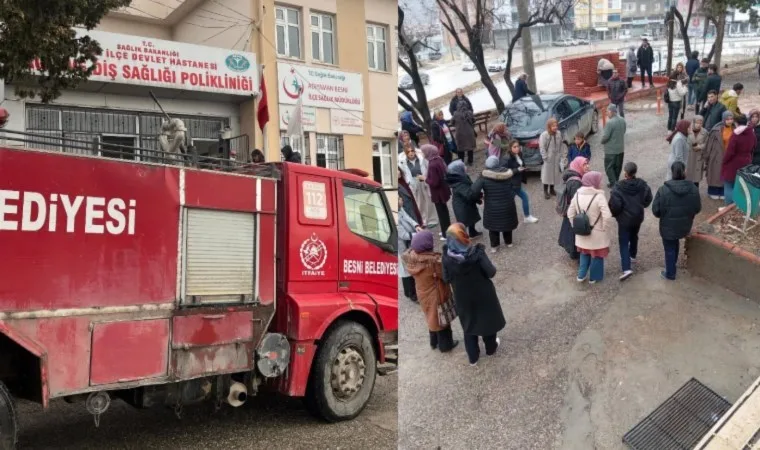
(390, 365)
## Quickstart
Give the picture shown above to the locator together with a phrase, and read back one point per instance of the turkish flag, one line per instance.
(262, 114)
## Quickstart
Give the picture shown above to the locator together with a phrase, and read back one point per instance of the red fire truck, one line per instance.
(166, 284)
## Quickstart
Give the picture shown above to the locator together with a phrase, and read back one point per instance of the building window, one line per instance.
(302, 148)
(366, 214)
(330, 151)
(376, 47)
(656, 6)
(629, 7)
(322, 38)
(643, 8)
(382, 163)
(288, 27)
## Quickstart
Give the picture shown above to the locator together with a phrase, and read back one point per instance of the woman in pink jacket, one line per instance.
(595, 247)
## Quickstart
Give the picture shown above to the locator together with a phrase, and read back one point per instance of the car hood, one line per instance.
(526, 134)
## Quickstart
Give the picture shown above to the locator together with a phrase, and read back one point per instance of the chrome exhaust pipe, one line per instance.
(238, 394)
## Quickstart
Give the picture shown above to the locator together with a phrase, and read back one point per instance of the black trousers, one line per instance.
(630, 82)
(673, 109)
(442, 340)
(447, 157)
(472, 230)
(472, 346)
(460, 155)
(444, 220)
(649, 71)
(493, 236)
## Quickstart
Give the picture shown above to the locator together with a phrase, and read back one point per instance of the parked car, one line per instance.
(582, 41)
(563, 43)
(468, 66)
(406, 81)
(435, 56)
(526, 120)
(498, 65)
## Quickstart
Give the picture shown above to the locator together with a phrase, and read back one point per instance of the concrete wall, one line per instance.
(723, 267)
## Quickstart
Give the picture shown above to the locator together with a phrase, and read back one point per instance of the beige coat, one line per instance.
(550, 147)
(695, 164)
(598, 211)
(427, 271)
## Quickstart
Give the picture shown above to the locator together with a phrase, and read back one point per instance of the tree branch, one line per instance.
(452, 29)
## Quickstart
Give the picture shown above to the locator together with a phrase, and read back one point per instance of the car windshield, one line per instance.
(526, 116)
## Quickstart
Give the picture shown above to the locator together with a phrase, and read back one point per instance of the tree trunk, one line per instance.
(490, 86)
(669, 65)
(718, 45)
(510, 51)
(527, 45)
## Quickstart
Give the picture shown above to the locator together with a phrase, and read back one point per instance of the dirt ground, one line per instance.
(580, 365)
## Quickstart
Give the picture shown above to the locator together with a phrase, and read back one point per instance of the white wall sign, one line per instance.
(346, 122)
(321, 88)
(309, 117)
(168, 64)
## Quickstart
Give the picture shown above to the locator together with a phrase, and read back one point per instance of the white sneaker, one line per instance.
(715, 197)
(509, 246)
(474, 365)
(580, 280)
(442, 238)
(592, 282)
(531, 219)
(722, 197)
(498, 342)
(626, 275)
(493, 249)
(633, 260)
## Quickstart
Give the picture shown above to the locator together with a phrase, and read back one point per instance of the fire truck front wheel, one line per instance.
(343, 374)
(8, 421)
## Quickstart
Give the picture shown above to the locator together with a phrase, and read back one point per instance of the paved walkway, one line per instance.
(579, 364)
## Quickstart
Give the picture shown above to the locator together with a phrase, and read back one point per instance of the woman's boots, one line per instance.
(410, 288)
(549, 191)
(443, 340)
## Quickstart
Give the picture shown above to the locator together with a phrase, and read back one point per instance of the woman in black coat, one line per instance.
(465, 209)
(469, 271)
(499, 210)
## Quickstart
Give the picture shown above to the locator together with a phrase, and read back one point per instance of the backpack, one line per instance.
(581, 223)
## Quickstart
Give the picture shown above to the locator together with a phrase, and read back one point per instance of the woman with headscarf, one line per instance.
(717, 143)
(596, 246)
(406, 140)
(407, 226)
(498, 140)
(754, 122)
(499, 209)
(425, 266)
(464, 132)
(550, 146)
(440, 193)
(738, 155)
(695, 165)
(469, 271)
(572, 179)
(631, 65)
(442, 138)
(408, 125)
(465, 207)
(679, 145)
(414, 168)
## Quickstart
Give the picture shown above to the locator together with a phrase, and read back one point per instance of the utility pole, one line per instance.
(669, 24)
(527, 45)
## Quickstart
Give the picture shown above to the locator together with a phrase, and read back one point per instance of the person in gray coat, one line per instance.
(613, 140)
(465, 131)
(631, 65)
(679, 146)
(407, 226)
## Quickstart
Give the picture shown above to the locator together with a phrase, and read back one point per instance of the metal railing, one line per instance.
(98, 148)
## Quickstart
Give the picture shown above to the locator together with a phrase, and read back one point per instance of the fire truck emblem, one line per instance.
(313, 253)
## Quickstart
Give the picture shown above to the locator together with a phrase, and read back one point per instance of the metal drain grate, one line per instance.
(681, 421)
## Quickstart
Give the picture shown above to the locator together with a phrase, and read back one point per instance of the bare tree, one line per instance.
(541, 12)
(474, 19)
(715, 11)
(408, 43)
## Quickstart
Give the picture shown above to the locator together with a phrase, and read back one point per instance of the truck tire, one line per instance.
(8, 420)
(343, 373)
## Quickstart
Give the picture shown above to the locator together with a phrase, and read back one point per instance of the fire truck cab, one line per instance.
(159, 283)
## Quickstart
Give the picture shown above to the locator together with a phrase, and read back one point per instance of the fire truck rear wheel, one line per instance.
(343, 375)
(8, 420)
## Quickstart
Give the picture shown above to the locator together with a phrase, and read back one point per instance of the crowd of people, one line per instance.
(712, 146)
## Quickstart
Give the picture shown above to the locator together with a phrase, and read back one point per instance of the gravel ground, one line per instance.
(267, 421)
(513, 400)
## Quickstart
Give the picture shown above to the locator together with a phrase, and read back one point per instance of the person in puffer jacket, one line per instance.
(676, 204)
(628, 200)
(730, 98)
